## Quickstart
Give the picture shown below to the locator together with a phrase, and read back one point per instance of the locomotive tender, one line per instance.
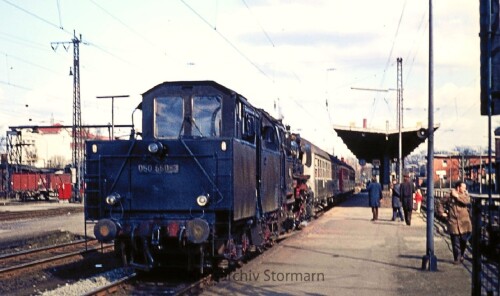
(211, 180)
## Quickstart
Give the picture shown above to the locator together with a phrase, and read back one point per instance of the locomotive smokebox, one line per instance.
(105, 230)
(197, 231)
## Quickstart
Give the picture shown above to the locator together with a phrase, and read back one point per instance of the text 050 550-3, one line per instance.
(158, 168)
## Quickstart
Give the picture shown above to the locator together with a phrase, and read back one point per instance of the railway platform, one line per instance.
(344, 253)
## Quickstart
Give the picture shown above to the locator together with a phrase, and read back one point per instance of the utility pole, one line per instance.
(400, 117)
(77, 113)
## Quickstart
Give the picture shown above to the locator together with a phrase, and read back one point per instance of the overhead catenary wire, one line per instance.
(59, 13)
(261, 27)
(37, 16)
(21, 41)
(70, 33)
(15, 85)
(135, 32)
(422, 27)
(240, 52)
(29, 63)
(387, 64)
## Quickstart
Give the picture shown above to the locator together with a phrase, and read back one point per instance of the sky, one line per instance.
(305, 61)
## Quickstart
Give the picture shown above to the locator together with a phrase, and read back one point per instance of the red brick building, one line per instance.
(472, 169)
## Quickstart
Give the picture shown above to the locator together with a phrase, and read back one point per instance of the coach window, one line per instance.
(169, 114)
(207, 116)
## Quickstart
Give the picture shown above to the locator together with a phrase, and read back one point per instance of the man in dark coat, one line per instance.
(396, 203)
(374, 196)
(407, 190)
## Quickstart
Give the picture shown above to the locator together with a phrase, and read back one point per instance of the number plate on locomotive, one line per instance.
(158, 168)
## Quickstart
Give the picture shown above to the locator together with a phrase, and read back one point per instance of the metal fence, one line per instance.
(485, 240)
(485, 246)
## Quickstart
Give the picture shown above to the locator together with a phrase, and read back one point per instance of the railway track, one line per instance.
(38, 258)
(19, 215)
(134, 285)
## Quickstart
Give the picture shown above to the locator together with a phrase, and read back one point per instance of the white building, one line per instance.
(48, 147)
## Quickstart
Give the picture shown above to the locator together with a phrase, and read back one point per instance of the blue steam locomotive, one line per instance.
(210, 180)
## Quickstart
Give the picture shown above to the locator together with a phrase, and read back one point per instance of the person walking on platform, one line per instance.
(374, 196)
(418, 200)
(459, 224)
(407, 189)
(396, 203)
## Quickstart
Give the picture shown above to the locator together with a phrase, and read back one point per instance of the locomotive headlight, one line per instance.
(155, 147)
(202, 200)
(113, 198)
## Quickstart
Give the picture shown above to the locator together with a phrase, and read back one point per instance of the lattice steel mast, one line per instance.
(77, 114)
(400, 117)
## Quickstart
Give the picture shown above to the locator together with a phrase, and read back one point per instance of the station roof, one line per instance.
(369, 144)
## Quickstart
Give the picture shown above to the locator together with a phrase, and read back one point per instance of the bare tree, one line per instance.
(56, 162)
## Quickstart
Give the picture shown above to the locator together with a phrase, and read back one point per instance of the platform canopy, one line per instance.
(369, 144)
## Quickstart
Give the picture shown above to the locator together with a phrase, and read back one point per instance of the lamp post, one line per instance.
(429, 260)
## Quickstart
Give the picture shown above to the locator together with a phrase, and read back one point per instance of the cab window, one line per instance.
(207, 116)
(169, 114)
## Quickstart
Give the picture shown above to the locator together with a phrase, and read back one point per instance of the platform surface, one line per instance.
(344, 253)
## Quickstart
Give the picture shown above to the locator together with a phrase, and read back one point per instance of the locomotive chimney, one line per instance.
(364, 122)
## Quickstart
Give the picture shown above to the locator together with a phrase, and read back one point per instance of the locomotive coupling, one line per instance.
(105, 230)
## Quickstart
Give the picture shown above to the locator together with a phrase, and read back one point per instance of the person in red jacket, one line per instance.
(418, 200)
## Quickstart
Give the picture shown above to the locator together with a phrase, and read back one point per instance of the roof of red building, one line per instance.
(54, 129)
